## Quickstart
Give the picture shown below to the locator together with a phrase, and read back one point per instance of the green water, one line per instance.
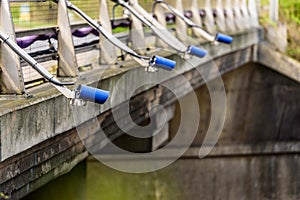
(93, 181)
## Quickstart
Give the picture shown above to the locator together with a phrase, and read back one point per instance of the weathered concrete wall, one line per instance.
(257, 156)
(262, 106)
(251, 177)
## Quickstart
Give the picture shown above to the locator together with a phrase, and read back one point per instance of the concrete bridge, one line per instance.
(44, 137)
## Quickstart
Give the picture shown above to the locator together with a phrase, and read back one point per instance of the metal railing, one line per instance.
(43, 19)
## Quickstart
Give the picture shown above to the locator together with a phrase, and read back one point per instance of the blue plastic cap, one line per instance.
(163, 63)
(196, 51)
(224, 38)
(92, 94)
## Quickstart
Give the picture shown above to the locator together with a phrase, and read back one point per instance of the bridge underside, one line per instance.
(256, 156)
(261, 129)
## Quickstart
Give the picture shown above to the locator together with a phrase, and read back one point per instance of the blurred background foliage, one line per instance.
(289, 14)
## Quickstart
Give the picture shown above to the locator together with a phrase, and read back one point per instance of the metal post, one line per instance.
(67, 63)
(108, 54)
(273, 12)
(11, 76)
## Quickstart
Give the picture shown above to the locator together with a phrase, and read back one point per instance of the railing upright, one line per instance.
(238, 18)
(159, 13)
(181, 27)
(108, 53)
(220, 17)
(196, 17)
(273, 11)
(11, 76)
(67, 62)
(137, 36)
(209, 18)
(230, 19)
(245, 14)
(252, 7)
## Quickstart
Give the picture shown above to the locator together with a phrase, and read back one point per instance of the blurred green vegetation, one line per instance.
(290, 10)
(289, 13)
(108, 184)
(91, 180)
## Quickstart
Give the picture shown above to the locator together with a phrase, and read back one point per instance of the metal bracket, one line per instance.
(181, 27)
(11, 76)
(108, 53)
(67, 62)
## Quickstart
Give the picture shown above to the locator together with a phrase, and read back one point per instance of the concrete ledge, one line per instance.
(280, 62)
(219, 151)
(271, 148)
